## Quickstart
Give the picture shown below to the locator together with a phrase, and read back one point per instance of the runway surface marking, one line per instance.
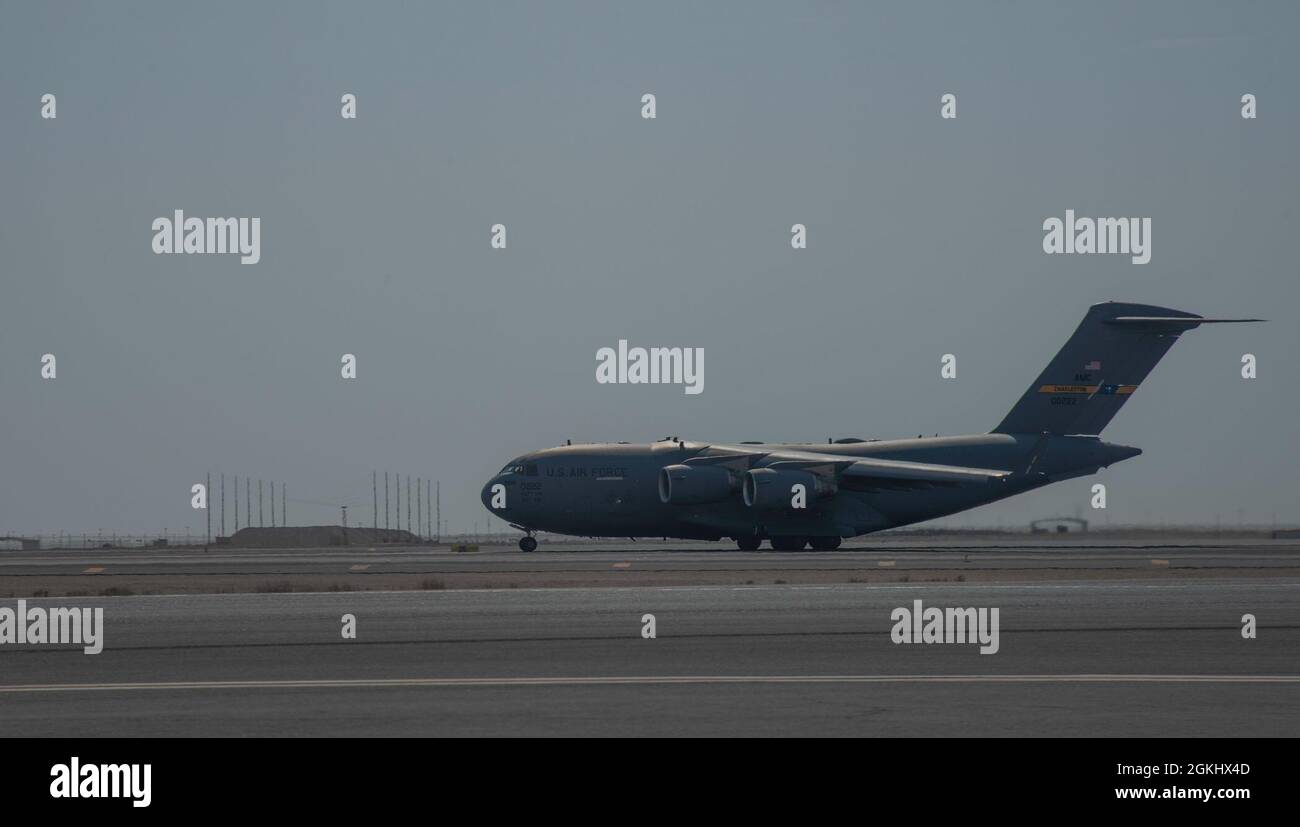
(93, 570)
(866, 587)
(368, 683)
(360, 567)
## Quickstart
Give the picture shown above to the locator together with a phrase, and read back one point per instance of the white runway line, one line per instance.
(668, 680)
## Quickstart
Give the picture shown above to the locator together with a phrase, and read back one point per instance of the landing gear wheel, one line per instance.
(789, 543)
(527, 544)
(748, 543)
(825, 543)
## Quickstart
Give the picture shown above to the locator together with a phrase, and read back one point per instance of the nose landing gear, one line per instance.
(527, 543)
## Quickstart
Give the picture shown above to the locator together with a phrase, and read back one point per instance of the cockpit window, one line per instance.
(513, 468)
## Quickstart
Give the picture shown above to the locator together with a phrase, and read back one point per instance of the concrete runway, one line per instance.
(1089, 658)
(174, 571)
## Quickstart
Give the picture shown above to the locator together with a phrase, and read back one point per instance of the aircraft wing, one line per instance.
(867, 470)
(921, 471)
(872, 468)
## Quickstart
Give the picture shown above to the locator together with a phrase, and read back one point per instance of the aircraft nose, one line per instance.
(495, 494)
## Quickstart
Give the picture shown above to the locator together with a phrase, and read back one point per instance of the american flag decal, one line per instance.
(1093, 365)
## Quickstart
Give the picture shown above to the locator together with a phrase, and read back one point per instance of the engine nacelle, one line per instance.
(691, 484)
(768, 488)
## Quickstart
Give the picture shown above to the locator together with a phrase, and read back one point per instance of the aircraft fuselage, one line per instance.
(617, 490)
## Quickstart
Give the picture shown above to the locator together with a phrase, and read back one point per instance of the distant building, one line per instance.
(1058, 525)
(316, 536)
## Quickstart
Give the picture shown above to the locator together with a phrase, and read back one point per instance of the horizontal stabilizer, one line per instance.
(1174, 323)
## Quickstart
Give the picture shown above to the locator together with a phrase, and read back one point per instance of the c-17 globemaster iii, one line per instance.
(801, 494)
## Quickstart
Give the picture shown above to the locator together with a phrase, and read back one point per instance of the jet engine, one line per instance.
(690, 484)
(768, 488)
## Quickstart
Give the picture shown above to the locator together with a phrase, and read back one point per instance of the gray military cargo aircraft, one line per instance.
(795, 495)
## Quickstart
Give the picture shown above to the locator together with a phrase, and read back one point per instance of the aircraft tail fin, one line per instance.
(1101, 365)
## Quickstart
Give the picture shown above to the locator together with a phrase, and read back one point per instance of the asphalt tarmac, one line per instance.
(1149, 657)
(225, 570)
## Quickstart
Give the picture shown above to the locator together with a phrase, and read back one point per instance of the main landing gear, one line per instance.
(797, 543)
(749, 543)
(788, 543)
(528, 543)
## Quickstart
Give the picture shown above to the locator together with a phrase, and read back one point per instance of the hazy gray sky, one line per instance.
(924, 238)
